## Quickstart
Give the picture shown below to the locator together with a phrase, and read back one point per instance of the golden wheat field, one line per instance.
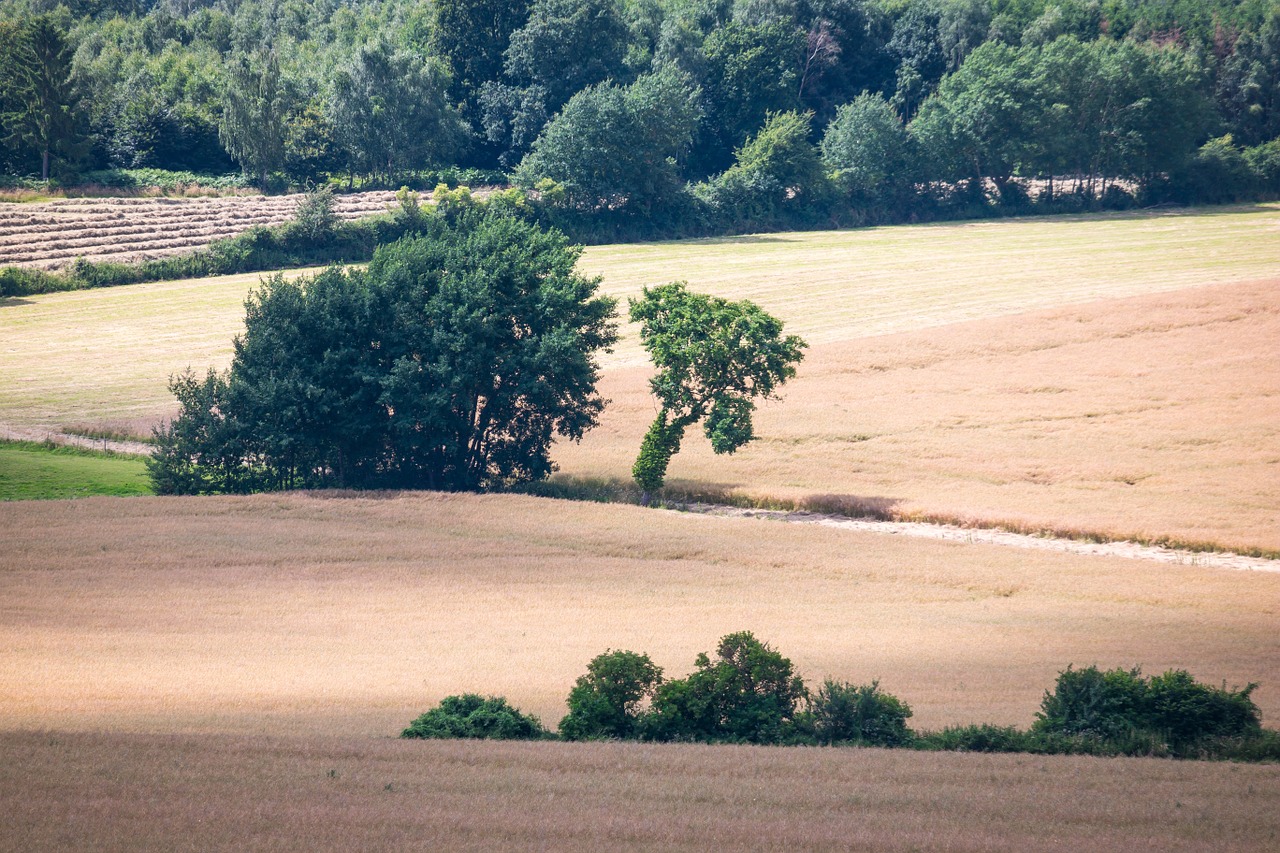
(1151, 417)
(185, 673)
(299, 614)
(1113, 375)
(230, 673)
(179, 793)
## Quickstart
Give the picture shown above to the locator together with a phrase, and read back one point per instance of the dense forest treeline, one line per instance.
(691, 115)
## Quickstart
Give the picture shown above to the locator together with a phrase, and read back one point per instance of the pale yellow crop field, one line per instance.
(1152, 416)
(109, 792)
(106, 354)
(1116, 375)
(294, 614)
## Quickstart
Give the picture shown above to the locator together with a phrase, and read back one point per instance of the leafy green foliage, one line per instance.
(567, 45)
(748, 694)
(713, 357)
(257, 99)
(778, 177)
(870, 154)
(390, 111)
(44, 101)
(1120, 704)
(752, 71)
(315, 219)
(476, 717)
(606, 702)
(861, 714)
(613, 147)
(1220, 172)
(452, 362)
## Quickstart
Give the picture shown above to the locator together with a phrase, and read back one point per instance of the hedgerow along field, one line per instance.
(1111, 375)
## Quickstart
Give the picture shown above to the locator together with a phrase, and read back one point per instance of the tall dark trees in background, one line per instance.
(41, 101)
(1074, 93)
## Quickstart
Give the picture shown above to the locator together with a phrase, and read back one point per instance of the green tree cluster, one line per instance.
(747, 692)
(1116, 100)
(452, 362)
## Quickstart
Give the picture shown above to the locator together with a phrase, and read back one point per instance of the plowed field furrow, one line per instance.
(59, 246)
(123, 248)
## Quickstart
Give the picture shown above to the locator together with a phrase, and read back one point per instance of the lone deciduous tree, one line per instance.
(714, 357)
(256, 103)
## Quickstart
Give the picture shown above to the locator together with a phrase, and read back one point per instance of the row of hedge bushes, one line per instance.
(749, 693)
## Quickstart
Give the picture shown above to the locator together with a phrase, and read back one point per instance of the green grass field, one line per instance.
(31, 471)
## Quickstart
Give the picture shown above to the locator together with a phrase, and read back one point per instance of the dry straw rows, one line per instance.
(51, 235)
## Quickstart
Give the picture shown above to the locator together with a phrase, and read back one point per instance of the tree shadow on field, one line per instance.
(13, 301)
(739, 239)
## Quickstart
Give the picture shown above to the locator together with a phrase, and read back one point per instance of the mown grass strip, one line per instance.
(31, 471)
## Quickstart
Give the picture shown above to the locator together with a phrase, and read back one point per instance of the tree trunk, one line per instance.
(44, 165)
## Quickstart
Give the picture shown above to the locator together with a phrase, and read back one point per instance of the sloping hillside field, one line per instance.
(295, 633)
(1115, 375)
(230, 672)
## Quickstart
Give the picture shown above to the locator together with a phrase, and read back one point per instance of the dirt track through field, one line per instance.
(996, 536)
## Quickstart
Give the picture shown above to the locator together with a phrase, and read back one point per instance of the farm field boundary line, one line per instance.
(132, 448)
(997, 536)
(1090, 544)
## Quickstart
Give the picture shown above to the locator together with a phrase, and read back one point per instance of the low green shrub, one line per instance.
(975, 738)
(606, 702)
(476, 717)
(748, 694)
(1169, 713)
(1092, 702)
(861, 714)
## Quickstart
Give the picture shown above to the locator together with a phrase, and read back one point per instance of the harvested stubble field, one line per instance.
(1113, 375)
(198, 666)
(50, 235)
(176, 793)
